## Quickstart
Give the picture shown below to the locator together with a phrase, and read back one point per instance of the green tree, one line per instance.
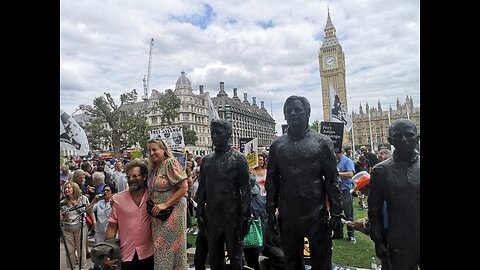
(168, 105)
(127, 122)
(315, 126)
(189, 136)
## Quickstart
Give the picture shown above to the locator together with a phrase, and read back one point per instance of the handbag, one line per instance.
(89, 220)
(162, 215)
(254, 237)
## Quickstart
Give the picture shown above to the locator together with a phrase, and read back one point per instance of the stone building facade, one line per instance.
(193, 113)
(247, 120)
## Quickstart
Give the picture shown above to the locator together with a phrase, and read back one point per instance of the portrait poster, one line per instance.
(172, 136)
(251, 153)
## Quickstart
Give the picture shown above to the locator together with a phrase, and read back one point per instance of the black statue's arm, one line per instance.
(272, 181)
(375, 205)
(243, 178)
(272, 186)
(200, 196)
(375, 211)
(330, 173)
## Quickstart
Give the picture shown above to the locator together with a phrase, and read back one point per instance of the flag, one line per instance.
(72, 135)
(338, 113)
(212, 112)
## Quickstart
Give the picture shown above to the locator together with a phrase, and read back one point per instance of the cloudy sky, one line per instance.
(266, 48)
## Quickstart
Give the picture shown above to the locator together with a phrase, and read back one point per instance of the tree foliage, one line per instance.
(168, 105)
(315, 126)
(127, 122)
(189, 136)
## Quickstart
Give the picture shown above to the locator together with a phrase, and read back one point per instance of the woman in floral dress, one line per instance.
(167, 185)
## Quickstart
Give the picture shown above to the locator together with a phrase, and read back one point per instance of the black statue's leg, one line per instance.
(292, 246)
(320, 244)
(234, 249)
(216, 253)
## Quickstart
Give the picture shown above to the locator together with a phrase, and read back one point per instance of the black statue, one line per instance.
(397, 182)
(224, 199)
(301, 175)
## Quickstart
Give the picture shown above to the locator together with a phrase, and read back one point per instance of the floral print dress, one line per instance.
(169, 237)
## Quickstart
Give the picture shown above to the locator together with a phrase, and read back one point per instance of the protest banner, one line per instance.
(172, 136)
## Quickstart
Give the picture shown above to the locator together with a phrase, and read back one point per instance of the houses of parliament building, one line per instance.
(370, 126)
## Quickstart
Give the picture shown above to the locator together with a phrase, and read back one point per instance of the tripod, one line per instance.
(81, 220)
(65, 245)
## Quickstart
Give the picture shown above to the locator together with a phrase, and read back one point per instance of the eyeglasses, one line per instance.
(132, 176)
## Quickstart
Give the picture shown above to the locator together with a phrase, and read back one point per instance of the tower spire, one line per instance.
(329, 20)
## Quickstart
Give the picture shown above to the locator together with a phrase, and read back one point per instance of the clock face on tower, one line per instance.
(330, 61)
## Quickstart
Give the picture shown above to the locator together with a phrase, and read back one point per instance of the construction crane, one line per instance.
(146, 83)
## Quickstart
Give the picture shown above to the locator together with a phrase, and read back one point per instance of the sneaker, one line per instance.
(352, 239)
(195, 231)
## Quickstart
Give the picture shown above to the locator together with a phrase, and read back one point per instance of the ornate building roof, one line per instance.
(183, 81)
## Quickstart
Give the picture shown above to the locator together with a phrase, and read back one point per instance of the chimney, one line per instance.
(245, 99)
(235, 96)
(262, 106)
(254, 102)
(222, 91)
(201, 88)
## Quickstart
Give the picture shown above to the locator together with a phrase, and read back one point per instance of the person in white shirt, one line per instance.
(119, 176)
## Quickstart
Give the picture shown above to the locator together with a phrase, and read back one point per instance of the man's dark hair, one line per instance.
(305, 102)
(133, 164)
(85, 166)
(223, 123)
(112, 187)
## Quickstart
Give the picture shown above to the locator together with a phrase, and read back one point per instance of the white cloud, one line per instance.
(263, 48)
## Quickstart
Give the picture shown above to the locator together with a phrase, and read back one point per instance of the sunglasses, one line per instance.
(132, 176)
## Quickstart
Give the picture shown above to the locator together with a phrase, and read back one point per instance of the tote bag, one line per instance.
(254, 237)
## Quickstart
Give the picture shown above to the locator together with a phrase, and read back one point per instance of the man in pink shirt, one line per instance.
(130, 219)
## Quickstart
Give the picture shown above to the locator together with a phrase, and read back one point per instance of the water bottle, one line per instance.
(373, 265)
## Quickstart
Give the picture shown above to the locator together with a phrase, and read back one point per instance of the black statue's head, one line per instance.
(296, 111)
(402, 134)
(220, 131)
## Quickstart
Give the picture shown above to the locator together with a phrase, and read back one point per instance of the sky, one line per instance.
(265, 48)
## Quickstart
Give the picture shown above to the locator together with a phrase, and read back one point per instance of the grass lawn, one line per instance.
(344, 253)
(355, 255)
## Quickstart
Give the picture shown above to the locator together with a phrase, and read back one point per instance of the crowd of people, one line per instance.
(109, 201)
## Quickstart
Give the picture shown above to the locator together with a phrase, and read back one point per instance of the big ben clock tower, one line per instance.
(332, 68)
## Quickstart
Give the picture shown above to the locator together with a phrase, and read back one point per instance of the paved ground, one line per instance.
(190, 254)
(64, 264)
